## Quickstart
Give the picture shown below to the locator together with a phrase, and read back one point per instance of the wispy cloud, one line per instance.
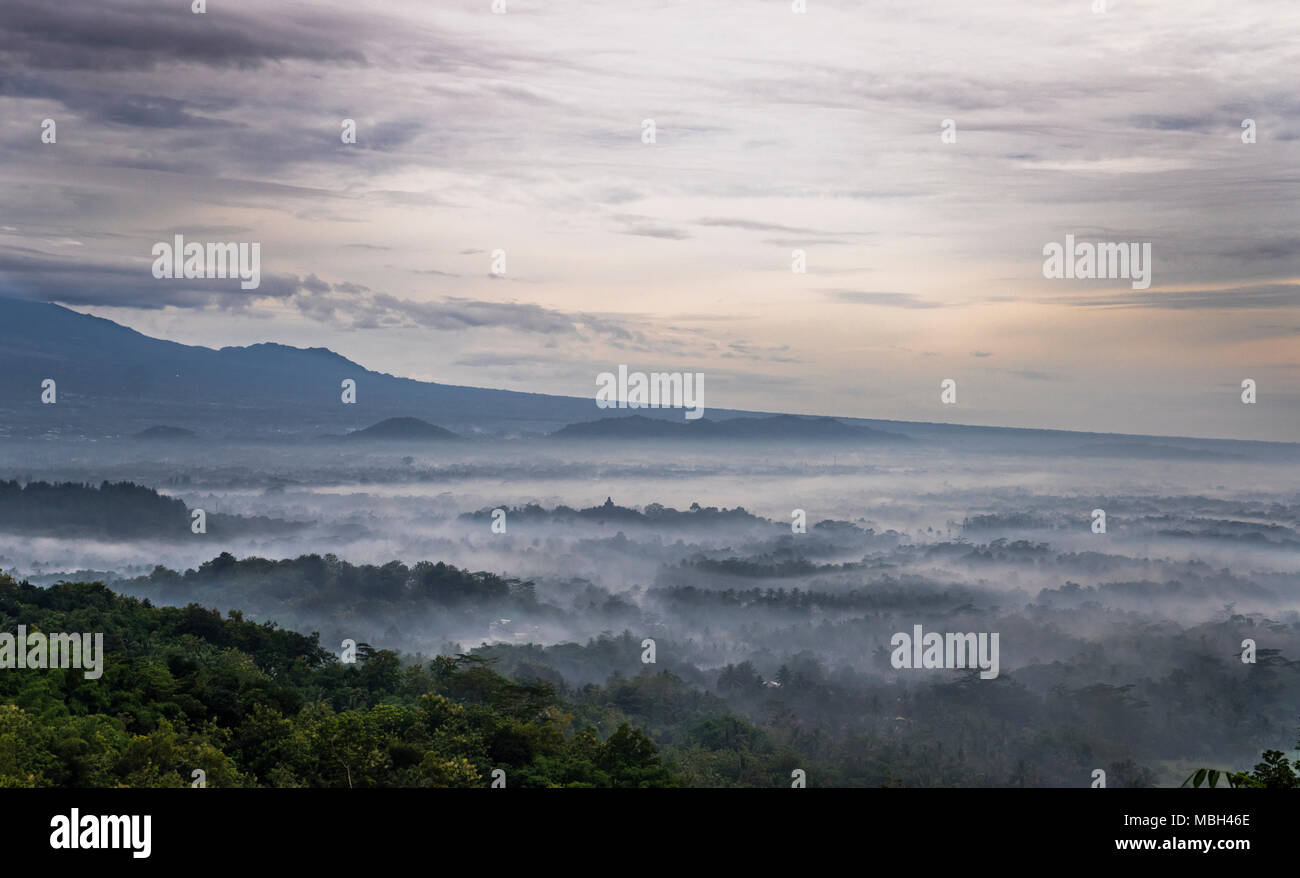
(1224, 299)
(884, 300)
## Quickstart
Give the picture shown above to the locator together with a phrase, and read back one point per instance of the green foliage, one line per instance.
(1274, 772)
(253, 705)
(327, 583)
(111, 509)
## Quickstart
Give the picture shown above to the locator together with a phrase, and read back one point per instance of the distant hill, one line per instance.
(403, 428)
(610, 512)
(776, 427)
(792, 427)
(115, 510)
(165, 432)
(630, 427)
(1149, 450)
(113, 380)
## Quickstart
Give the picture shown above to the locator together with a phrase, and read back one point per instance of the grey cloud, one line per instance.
(490, 360)
(619, 195)
(313, 284)
(1201, 123)
(516, 93)
(1235, 298)
(31, 274)
(358, 307)
(389, 136)
(648, 227)
(743, 350)
(1270, 248)
(754, 226)
(665, 232)
(808, 242)
(115, 107)
(201, 231)
(888, 300)
(456, 313)
(127, 35)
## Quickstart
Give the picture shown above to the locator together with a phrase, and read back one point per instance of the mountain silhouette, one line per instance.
(403, 428)
(775, 427)
(112, 380)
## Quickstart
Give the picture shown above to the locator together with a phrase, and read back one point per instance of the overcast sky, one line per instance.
(775, 131)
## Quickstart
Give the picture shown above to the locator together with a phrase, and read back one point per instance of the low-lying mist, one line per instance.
(772, 576)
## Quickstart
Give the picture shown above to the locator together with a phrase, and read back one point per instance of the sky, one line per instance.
(774, 131)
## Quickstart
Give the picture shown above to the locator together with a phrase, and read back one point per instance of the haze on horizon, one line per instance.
(774, 132)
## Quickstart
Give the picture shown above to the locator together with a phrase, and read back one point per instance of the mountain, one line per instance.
(1149, 450)
(790, 427)
(403, 429)
(111, 380)
(628, 427)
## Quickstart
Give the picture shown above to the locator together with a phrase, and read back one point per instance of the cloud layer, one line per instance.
(525, 135)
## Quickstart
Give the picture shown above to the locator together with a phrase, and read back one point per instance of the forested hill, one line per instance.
(251, 705)
(121, 509)
(183, 689)
(113, 509)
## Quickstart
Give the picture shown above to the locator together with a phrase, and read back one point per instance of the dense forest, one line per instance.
(327, 580)
(112, 509)
(252, 705)
(654, 514)
(117, 510)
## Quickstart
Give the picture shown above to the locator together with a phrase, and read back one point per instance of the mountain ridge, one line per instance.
(632, 427)
(113, 380)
